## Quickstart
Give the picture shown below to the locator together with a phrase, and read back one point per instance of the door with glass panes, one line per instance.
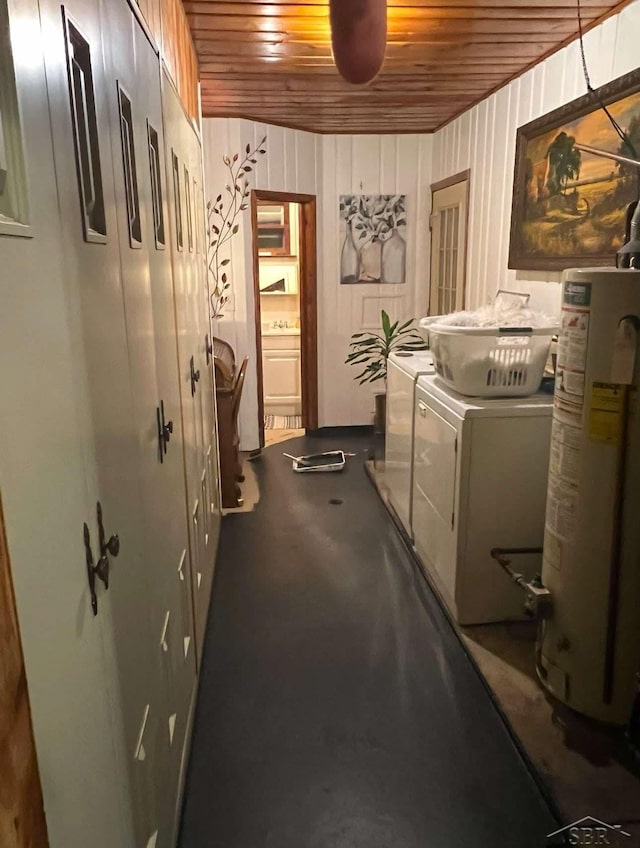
(448, 246)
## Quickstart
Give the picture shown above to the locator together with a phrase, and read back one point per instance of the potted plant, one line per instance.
(372, 350)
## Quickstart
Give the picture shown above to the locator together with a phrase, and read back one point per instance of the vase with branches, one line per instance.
(223, 224)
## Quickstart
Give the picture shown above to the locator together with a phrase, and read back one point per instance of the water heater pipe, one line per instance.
(538, 603)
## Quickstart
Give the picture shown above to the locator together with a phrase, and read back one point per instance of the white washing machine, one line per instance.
(479, 482)
(403, 371)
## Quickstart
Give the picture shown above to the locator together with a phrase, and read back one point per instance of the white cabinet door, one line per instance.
(281, 377)
(136, 128)
(209, 465)
(183, 160)
(174, 612)
(435, 460)
(103, 222)
(434, 494)
(398, 458)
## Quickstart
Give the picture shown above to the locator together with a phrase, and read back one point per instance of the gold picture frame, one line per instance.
(569, 206)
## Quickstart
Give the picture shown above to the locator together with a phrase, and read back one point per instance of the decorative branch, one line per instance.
(222, 223)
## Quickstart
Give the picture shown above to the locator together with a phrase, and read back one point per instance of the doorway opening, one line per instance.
(286, 313)
(449, 215)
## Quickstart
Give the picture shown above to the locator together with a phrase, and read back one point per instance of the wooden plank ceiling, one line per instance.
(272, 62)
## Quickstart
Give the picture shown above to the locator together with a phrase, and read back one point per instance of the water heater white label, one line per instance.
(572, 345)
(566, 453)
(572, 352)
(562, 503)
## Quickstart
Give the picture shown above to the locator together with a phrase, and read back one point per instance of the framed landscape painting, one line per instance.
(569, 204)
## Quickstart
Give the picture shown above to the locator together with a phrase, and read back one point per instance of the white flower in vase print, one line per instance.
(371, 261)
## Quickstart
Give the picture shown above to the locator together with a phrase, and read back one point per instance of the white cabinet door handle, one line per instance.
(422, 409)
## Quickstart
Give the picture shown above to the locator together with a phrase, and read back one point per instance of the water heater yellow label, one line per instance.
(605, 412)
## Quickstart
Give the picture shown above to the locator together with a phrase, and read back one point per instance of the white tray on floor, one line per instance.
(329, 461)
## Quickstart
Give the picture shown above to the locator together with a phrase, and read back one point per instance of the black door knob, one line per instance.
(195, 376)
(102, 570)
(165, 429)
(113, 545)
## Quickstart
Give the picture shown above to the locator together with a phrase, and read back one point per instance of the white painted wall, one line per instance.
(326, 166)
(292, 164)
(483, 139)
(366, 164)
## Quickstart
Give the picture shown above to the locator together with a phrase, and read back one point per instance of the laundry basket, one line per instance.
(491, 362)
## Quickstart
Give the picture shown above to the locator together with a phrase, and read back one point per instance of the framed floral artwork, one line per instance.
(373, 238)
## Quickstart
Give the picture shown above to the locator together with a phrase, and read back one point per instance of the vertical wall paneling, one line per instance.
(288, 166)
(482, 139)
(486, 145)
(326, 166)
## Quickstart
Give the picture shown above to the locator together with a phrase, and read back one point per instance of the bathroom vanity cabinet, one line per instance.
(281, 372)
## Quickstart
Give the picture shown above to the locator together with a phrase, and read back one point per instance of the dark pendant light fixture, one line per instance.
(358, 37)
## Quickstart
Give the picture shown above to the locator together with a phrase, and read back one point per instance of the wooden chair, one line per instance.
(224, 362)
(228, 400)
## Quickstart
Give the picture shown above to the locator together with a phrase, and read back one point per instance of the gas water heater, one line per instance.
(589, 648)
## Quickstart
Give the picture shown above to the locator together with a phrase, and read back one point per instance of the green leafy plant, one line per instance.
(222, 222)
(372, 350)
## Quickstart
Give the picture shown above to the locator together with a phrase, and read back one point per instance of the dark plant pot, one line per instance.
(380, 417)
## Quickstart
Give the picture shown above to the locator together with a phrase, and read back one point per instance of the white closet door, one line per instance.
(45, 425)
(448, 247)
(171, 525)
(109, 353)
(188, 291)
(209, 479)
(135, 92)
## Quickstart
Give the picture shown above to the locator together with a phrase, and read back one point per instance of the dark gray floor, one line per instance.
(337, 709)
